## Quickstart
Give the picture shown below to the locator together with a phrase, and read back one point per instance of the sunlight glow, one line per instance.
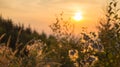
(77, 16)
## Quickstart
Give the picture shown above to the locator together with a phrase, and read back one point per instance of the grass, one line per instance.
(34, 57)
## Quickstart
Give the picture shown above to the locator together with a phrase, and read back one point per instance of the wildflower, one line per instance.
(73, 54)
(91, 59)
(35, 48)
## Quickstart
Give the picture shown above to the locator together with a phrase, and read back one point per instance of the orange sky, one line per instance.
(41, 13)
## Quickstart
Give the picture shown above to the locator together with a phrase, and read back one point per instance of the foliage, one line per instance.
(109, 34)
(10, 29)
(74, 51)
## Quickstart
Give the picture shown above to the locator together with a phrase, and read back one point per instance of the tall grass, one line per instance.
(35, 57)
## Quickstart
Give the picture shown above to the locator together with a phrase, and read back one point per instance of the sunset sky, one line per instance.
(41, 13)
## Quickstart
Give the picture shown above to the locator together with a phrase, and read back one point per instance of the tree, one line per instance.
(109, 34)
(11, 30)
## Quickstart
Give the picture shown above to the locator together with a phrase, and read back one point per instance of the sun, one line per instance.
(78, 16)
